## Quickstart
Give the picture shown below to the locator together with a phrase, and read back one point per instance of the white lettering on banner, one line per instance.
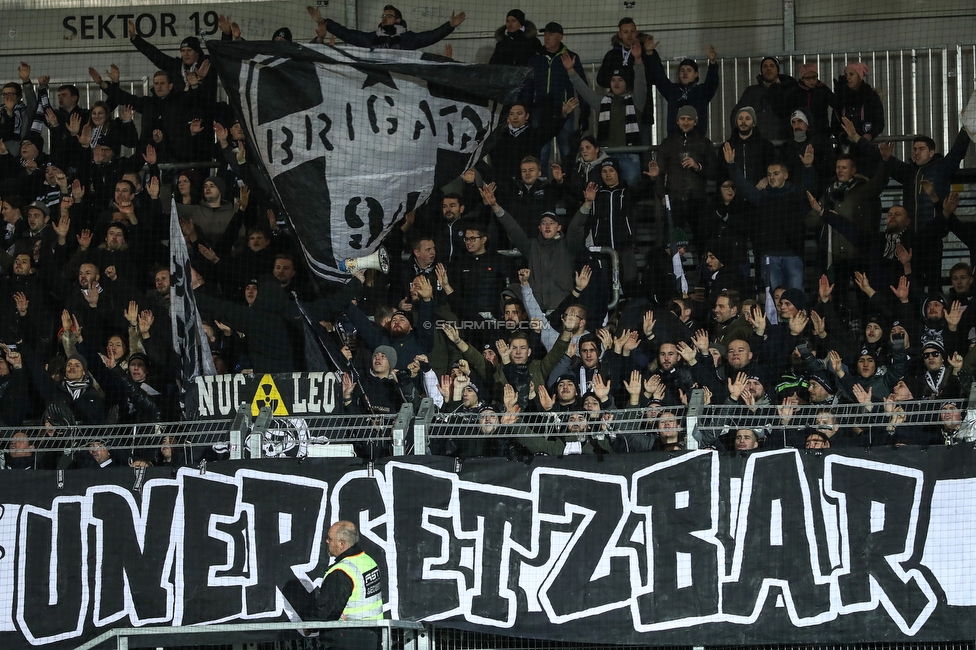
(312, 393)
(373, 137)
(653, 546)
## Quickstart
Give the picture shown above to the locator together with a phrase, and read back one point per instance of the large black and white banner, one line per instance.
(645, 549)
(351, 139)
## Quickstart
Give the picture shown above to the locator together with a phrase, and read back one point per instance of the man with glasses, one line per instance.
(391, 33)
(19, 104)
(943, 378)
(474, 286)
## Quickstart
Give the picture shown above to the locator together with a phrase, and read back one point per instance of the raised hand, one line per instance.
(114, 74)
(509, 397)
(146, 320)
(862, 396)
(606, 339)
(583, 278)
(488, 197)
(634, 385)
(862, 282)
(631, 341)
(221, 132)
(836, 363)
(758, 319)
(152, 188)
(74, 124)
(570, 105)
(348, 386)
(96, 76)
(23, 71)
(21, 303)
(736, 387)
(84, 239)
(729, 153)
(601, 388)
(814, 203)
(700, 340)
(798, 323)
(849, 129)
(570, 321)
(649, 324)
(131, 313)
(441, 272)
(569, 62)
(457, 19)
(589, 194)
(523, 276)
(955, 361)
(687, 352)
(654, 387)
(424, 288)
(819, 324)
(807, 156)
(653, 170)
(954, 315)
(224, 24)
(546, 400)
(950, 204)
(51, 117)
(504, 351)
(451, 333)
(825, 289)
(886, 148)
(710, 53)
(63, 225)
(904, 256)
(444, 386)
(448, 51)
(556, 173)
(901, 291)
(244, 198)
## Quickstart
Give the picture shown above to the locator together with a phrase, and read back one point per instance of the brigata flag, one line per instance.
(350, 140)
(189, 340)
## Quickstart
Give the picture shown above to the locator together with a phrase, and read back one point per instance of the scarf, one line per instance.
(516, 132)
(934, 384)
(186, 69)
(76, 388)
(390, 30)
(892, 239)
(800, 136)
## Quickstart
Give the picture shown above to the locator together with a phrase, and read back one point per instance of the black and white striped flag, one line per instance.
(349, 140)
(189, 340)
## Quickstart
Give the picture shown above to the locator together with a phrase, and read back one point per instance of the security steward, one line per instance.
(350, 591)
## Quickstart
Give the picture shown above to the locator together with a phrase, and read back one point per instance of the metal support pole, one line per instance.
(421, 426)
(789, 26)
(261, 425)
(401, 429)
(695, 405)
(239, 429)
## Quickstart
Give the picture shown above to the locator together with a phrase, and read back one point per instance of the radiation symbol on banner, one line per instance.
(267, 395)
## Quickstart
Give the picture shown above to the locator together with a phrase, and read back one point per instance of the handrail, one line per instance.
(121, 633)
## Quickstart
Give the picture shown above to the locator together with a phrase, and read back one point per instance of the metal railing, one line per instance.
(922, 90)
(408, 635)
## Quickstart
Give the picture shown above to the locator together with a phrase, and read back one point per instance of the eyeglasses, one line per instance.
(728, 186)
(10, 93)
(931, 355)
(388, 16)
(810, 77)
(474, 238)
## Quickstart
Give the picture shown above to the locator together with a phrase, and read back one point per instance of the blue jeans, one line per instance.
(630, 168)
(784, 271)
(562, 139)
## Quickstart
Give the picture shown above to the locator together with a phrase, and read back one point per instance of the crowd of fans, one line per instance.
(496, 305)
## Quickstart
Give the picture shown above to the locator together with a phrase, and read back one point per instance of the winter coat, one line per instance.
(863, 107)
(770, 104)
(696, 94)
(516, 48)
(405, 40)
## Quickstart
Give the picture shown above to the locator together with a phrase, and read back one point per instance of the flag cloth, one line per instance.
(349, 140)
(189, 340)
